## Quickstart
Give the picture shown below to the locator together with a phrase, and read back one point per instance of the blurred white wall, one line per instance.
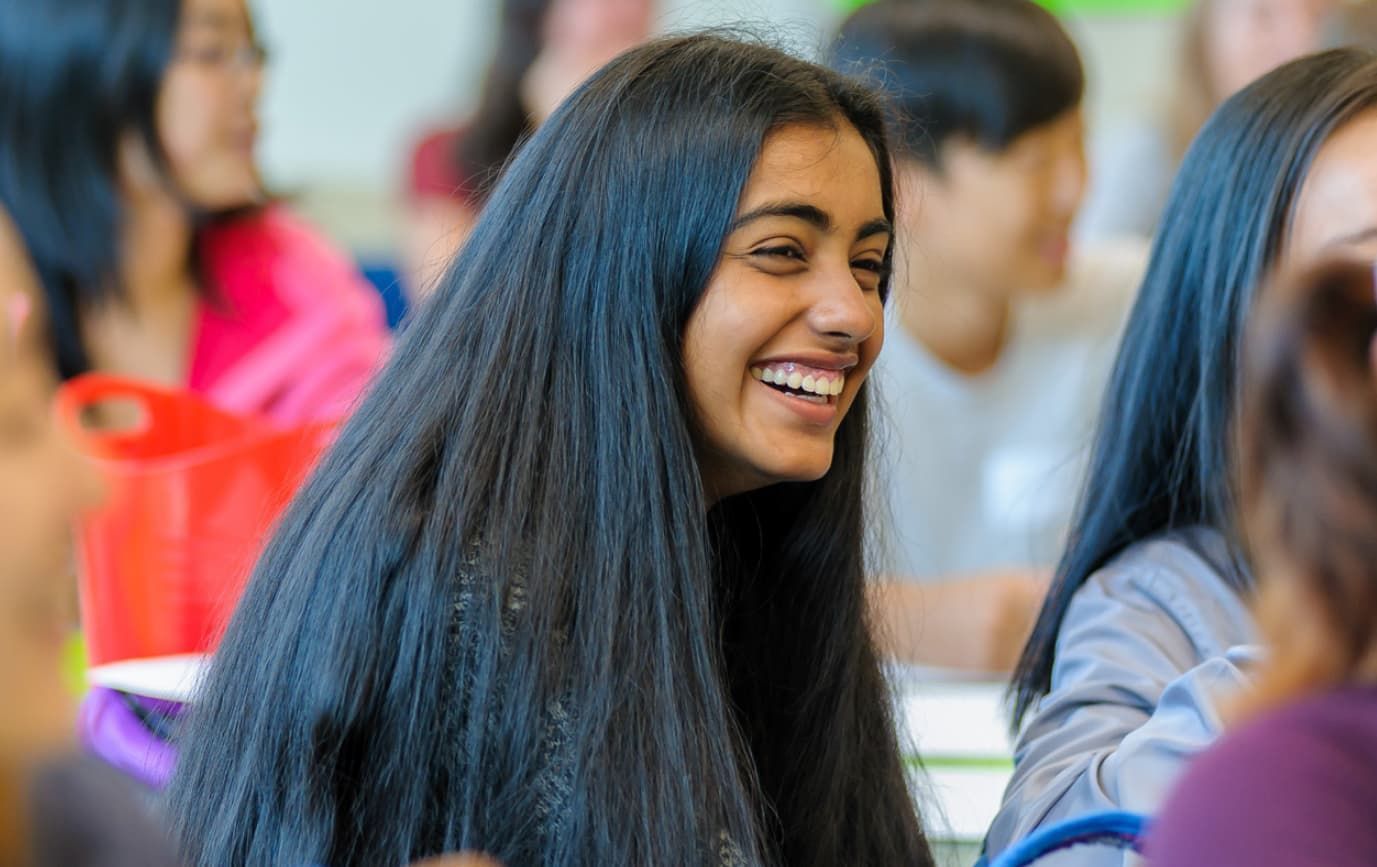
(348, 89)
(352, 82)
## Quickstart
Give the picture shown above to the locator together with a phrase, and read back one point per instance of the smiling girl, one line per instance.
(582, 580)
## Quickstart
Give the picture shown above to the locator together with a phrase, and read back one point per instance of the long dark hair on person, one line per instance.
(1308, 477)
(74, 78)
(1163, 450)
(506, 569)
(500, 122)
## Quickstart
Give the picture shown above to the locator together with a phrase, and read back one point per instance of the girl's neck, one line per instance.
(964, 327)
(149, 335)
(155, 250)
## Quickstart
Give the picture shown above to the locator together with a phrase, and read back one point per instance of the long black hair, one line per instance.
(985, 71)
(506, 572)
(75, 77)
(501, 121)
(1163, 451)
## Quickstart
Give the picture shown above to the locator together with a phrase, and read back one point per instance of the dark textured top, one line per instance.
(86, 815)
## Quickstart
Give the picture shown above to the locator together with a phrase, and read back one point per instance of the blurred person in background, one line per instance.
(1147, 630)
(127, 138)
(1295, 780)
(1352, 22)
(544, 49)
(1001, 333)
(56, 808)
(1225, 44)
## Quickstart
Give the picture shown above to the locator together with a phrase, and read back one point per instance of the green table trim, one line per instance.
(979, 763)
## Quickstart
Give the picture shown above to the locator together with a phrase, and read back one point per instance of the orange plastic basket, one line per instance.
(194, 494)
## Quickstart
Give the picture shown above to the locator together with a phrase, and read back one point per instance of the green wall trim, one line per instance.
(1079, 7)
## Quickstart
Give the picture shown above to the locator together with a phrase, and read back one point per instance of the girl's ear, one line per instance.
(137, 173)
(15, 313)
(19, 287)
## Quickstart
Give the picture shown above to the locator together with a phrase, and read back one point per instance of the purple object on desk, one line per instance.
(122, 731)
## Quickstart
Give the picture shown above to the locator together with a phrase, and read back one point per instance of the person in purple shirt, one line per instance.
(1296, 782)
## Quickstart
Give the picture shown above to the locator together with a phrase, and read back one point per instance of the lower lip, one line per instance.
(818, 414)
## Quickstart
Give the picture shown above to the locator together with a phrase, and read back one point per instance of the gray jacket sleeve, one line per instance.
(1150, 647)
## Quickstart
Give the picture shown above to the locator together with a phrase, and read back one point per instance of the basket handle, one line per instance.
(156, 404)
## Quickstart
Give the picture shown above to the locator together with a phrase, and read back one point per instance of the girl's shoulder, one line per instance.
(290, 328)
(273, 251)
(1188, 575)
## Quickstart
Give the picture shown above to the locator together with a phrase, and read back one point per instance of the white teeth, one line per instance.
(811, 383)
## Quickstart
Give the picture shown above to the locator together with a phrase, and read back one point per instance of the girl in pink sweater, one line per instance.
(139, 202)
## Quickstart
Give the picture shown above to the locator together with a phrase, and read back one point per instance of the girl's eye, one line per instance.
(786, 252)
(209, 54)
(877, 267)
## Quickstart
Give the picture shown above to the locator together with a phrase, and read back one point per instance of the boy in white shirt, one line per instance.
(999, 335)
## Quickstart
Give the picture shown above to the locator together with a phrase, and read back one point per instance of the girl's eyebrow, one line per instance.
(810, 214)
(875, 227)
(1365, 234)
(214, 19)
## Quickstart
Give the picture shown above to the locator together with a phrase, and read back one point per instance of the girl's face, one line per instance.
(577, 37)
(207, 106)
(1336, 211)
(791, 320)
(1245, 39)
(1000, 221)
(595, 31)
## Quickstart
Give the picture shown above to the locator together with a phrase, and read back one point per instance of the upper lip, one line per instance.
(818, 360)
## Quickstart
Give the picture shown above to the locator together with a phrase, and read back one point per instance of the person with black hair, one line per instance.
(1295, 779)
(1224, 45)
(127, 140)
(1000, 335)
(1147, 628)
(544, 49)
(582, 580)
(127, 137)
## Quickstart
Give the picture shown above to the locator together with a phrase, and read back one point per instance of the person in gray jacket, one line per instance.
(1146, 631)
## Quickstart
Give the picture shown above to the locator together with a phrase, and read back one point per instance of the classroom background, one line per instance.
(340, 114)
